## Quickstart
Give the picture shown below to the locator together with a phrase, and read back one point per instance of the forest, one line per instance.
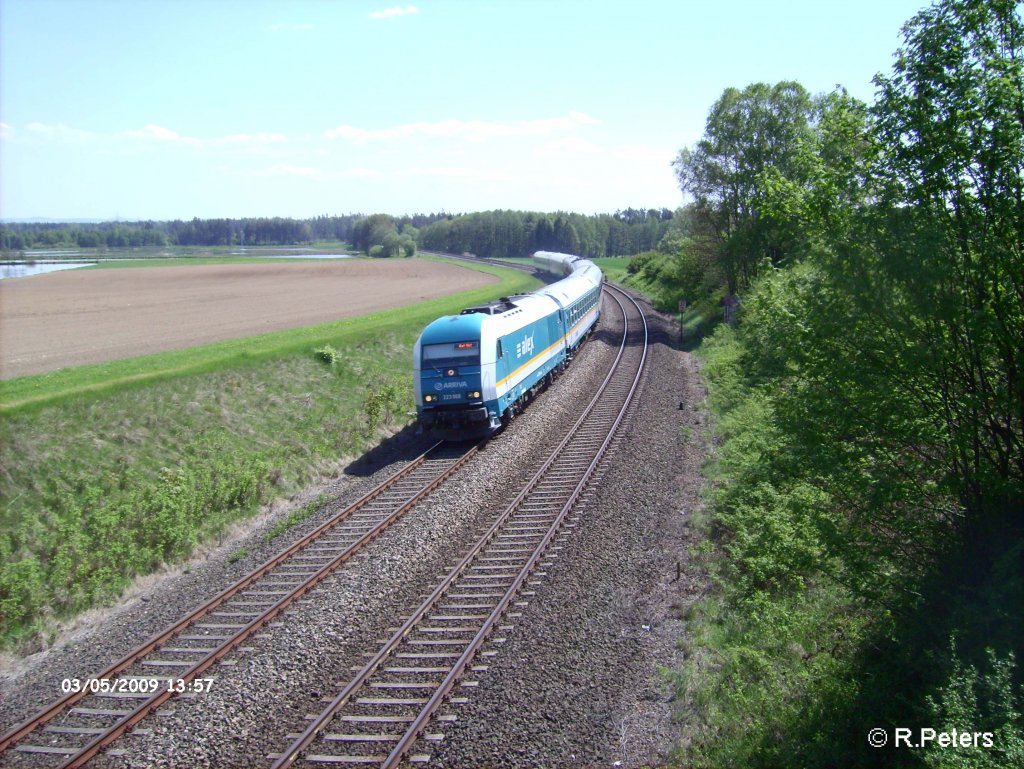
(487, 234)
(865, 516)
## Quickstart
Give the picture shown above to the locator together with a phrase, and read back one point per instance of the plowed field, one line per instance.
(48, 322)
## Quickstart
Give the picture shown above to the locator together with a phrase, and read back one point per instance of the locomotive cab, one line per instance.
(448, 363)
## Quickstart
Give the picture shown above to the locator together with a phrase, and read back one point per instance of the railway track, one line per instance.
(396, 698)
(521, 266)
(405, 684)
(105, 706)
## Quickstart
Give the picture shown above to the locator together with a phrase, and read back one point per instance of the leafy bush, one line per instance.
(973, 701)
(118, 528)
(383, 402)
(327, 355)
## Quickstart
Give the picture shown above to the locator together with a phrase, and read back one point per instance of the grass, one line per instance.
(103, 378)
(695, 322)
(294, 518)
(614, 267)
(109, 471)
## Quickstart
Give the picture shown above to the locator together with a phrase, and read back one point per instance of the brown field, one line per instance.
(72, 318)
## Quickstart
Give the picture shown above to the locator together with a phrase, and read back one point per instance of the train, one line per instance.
(475, 371)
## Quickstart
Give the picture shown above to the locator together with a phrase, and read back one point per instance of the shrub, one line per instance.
(327, 355)
(383, 402)
(973, 701)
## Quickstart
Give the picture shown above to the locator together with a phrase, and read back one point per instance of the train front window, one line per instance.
(452, 354)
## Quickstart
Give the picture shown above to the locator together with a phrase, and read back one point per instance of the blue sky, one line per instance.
(163, 109)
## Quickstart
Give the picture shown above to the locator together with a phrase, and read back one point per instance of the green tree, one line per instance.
(876, 423)
(950, 131)
(747, 132)
(376, 230)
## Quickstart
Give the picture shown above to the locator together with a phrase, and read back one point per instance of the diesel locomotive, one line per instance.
(476, 370)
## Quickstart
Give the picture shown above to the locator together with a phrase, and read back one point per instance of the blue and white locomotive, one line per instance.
(476, 370)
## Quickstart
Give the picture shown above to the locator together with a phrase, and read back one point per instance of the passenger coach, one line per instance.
(475, 370)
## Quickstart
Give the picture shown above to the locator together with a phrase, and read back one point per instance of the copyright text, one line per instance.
(905, 737)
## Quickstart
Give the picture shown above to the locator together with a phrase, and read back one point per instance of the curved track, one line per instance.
(396, 697)
(78, 726)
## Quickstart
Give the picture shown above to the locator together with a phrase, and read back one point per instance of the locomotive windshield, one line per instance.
(452, 354)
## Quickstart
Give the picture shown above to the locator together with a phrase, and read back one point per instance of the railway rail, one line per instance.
(76, 727)
(392, 701)
(396, 696)
(521, 266)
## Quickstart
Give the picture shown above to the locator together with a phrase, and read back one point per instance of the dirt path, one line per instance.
(48, 322)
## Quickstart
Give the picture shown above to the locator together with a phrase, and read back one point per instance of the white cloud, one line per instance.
(157, 133)
(466, 130)
(150, 132)
(391, 13)
(6, 131)
(154, 132)
(59, 132)
(583, 118)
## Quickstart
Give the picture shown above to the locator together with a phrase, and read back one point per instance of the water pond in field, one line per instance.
(40, 261)
(24, 269)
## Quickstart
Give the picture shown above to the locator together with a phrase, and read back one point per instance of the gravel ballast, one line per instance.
(577, 681)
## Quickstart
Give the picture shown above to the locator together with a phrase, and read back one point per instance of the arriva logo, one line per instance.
(525, 347)
(449, 385)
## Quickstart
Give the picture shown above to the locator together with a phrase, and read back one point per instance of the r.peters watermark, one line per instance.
(905, 737)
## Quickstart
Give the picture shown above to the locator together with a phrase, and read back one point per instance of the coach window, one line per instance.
(500, 353)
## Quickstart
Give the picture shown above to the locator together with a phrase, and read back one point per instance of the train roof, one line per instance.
(453, 328)
(511, 312)
(515, 312)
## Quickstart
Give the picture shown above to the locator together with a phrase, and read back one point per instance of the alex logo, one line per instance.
(525, 347)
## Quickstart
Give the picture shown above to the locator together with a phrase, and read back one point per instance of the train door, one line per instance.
(501, 359)
(555, 332)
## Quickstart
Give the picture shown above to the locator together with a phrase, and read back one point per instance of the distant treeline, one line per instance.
(492, 233)
(275, 231)
(519, 233)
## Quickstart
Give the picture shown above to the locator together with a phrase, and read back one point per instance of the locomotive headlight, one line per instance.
(474, 394)
(428, 398)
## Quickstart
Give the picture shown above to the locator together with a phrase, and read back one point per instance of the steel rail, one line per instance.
(316, 727)
(417, 727)
(482, 260)
(140, 712)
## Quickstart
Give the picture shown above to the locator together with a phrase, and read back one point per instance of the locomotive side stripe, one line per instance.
(541, 354)
(560, 343)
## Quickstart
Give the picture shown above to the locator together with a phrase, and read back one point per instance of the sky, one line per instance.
(174, 109)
